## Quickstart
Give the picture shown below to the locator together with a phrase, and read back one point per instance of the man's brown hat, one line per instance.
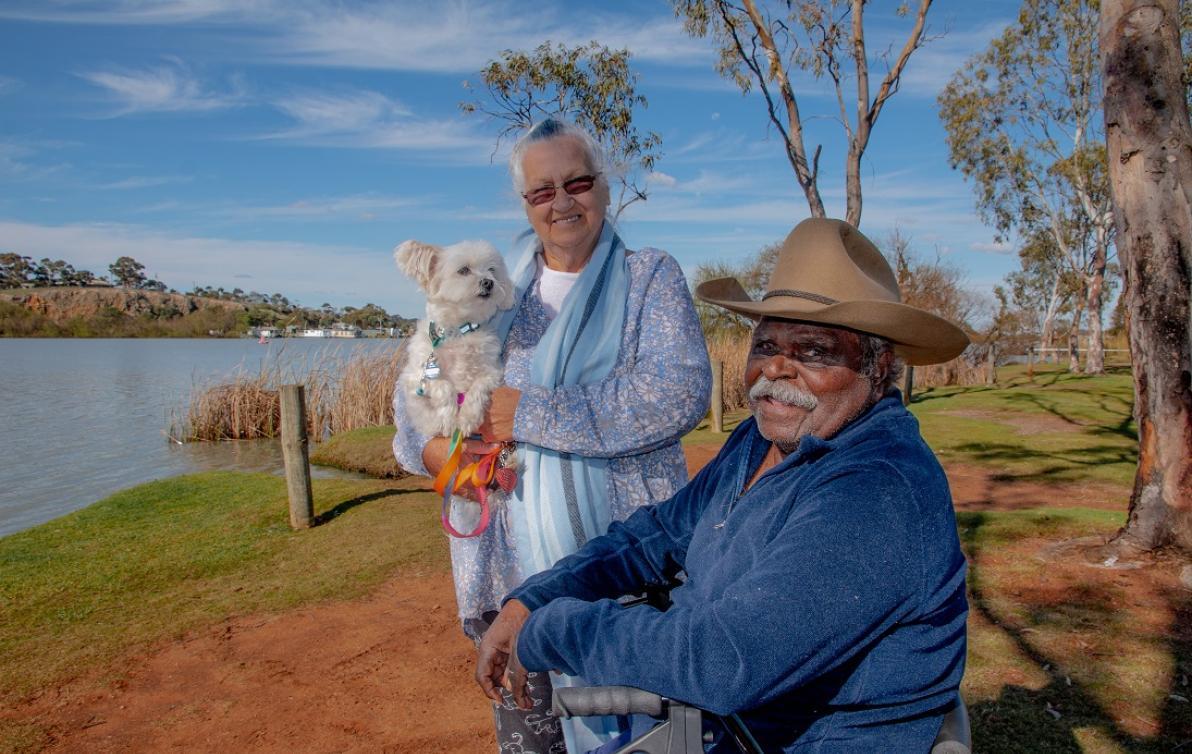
(829, 273)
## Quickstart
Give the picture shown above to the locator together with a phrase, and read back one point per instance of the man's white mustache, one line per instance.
(783, 392)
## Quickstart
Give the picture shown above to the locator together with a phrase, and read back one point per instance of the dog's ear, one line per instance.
(417, 260)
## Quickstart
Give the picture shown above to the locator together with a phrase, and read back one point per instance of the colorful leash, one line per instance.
(479, 474)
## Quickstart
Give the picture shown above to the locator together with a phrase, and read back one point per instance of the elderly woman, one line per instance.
(605, 369)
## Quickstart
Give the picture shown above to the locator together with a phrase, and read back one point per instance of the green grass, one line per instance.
(368, 450)
(1103, 650)
(155, 561)
(1058, 428)
(1067, 658)
(703, 434)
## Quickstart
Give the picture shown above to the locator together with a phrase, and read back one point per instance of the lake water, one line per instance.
(81, 418)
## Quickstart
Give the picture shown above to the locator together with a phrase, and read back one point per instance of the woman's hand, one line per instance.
(436, 452)
(497, 664)
(502, 408)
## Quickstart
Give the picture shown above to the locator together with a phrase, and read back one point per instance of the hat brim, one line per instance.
(919, 337)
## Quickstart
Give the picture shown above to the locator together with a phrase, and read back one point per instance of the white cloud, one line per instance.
(366, 119)
(359, 206)
(658, 178)
(934, 64)
(995, 247)
(323, 112)
(708, 182)
(453, 36)
(166, 88)
(122, 12)
(460, 37)
(673, 208)
(16, 162)
(724, 145)
(144, 181)
(8, 84)
(310, 273)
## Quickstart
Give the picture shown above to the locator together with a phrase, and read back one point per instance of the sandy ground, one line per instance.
(388, 673)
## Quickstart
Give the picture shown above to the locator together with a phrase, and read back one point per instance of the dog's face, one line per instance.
(464, 282)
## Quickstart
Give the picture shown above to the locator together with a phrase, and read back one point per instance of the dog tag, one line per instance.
(431, 370)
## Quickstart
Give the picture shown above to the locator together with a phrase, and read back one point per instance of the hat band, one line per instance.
(800, 294)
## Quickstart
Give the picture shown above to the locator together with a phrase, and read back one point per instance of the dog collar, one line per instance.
(431, 369)
(440, 334)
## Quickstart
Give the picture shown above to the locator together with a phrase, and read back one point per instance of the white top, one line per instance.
(553, 287)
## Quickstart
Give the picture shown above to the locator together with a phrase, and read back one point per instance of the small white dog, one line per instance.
(453, 360)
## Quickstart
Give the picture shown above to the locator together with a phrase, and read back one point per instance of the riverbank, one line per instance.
(187, 615)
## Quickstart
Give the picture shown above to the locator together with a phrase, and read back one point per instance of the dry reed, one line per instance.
(342, 393)
(730, 348)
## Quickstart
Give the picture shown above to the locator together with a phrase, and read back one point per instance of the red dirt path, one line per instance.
(388, 673)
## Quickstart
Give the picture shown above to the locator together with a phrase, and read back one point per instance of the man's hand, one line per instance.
(497, 664)
(434, 457)
(498, 421)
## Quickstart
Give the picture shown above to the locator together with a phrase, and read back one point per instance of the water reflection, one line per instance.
(80, 419)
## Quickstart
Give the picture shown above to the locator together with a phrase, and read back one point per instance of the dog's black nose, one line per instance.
(486, 284)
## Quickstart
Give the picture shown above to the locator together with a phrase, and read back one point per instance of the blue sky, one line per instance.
(289, 146)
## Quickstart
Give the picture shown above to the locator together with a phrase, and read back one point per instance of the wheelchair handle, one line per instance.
(605, 700)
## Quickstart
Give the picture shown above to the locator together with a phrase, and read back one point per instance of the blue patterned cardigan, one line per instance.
(657, 392)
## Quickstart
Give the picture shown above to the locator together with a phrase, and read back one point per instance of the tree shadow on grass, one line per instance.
(1124, 409)
(341, 508)
(934, 394)
(1062, 466)
(1046, 719)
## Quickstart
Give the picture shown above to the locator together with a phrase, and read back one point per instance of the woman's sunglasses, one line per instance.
(579, 185)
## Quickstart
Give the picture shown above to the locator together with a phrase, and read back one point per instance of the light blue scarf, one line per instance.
(561, 499)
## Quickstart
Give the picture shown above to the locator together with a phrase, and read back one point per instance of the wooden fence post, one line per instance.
(717, 396)
(908, 384)
(295, 455)
(1030, 363)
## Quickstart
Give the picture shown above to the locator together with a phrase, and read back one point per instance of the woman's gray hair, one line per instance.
(552, 128)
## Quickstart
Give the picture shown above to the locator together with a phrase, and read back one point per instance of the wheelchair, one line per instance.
(681, 729)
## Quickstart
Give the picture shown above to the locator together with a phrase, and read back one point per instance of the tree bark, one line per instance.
(1047, 337)
(807, 174)
(1074, 336)
(1150, 165)
(1094, 359)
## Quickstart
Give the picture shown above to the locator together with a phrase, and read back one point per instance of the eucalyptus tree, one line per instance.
(589, 85)
(1043, 284)
(765, 45)
(1024, 124)
(1150, 165)
(128, 272)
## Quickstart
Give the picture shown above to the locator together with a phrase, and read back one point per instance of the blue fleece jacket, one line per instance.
(825, 604)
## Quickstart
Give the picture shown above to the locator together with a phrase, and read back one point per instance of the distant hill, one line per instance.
(115, 312)
(62, 304)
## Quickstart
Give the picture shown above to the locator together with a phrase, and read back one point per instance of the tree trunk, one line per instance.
(1094, 359)
(1074, 336)
(1047, 337)
(1149, 139)
(852, 187)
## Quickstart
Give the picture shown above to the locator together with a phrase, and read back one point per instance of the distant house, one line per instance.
(342, 330)
(316, 333)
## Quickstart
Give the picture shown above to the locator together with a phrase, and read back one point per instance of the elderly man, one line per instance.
(824, 591)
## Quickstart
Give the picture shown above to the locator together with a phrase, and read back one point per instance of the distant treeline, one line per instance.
(17, 321)
(25, 314)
